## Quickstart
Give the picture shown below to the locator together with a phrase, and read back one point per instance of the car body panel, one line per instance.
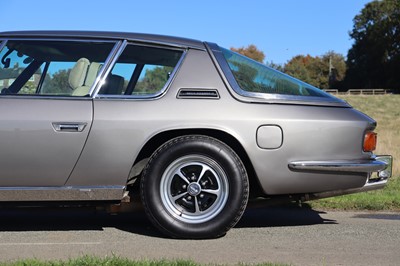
(32, 152)
(122, 127)
(123, 138)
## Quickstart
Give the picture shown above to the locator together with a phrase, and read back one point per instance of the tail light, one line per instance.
(370, 139)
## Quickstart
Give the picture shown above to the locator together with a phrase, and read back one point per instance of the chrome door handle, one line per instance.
(69, 127)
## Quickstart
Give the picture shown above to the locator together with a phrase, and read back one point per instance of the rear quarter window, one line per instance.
(255, 78)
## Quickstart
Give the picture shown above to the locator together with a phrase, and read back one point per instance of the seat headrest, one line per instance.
(78, 73)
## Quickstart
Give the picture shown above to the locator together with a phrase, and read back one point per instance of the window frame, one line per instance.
(157, 95)
(246, 96)
(112, 58)
(102, 73)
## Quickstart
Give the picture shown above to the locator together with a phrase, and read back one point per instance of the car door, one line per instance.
(45, 108)
(41, 139)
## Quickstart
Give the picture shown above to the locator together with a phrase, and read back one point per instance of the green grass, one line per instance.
(387, 199)
(385, 110)
(96, 261)
(113, 261)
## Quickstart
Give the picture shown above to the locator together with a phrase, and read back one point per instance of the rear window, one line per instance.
(253, 77)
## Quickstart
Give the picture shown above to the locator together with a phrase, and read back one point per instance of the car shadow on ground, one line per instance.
(282, 215)
(90, 219)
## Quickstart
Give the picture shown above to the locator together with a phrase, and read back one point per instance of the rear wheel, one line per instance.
(194, 187)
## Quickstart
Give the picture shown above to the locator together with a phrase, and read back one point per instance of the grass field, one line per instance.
(114, 261)
(385, 109)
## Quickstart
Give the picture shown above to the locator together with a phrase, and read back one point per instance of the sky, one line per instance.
(281, 29)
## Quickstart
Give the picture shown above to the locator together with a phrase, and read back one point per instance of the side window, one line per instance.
(254, 77)
(56, 68)
(141, 71)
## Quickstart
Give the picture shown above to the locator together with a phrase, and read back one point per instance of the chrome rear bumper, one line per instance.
(355, 166)
(380, 164)
(377, 164)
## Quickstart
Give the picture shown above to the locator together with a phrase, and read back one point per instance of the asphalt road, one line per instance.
(298, 236)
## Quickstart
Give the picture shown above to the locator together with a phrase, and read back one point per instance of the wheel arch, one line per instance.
(157, 140)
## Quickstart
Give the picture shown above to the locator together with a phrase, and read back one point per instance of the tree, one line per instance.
(298, 67)
(374, 59)
(57, 83)
(326, 71)
(251, 51)
(337, 69)
(154, 79)
(273, 65)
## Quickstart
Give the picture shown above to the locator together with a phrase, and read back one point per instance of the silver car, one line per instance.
(193, 128)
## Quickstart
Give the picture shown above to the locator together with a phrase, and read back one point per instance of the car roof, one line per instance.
(138, 37)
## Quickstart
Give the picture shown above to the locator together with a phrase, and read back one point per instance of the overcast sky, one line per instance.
(280, 28)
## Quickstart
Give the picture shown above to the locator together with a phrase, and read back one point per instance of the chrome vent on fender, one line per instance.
(198, 94)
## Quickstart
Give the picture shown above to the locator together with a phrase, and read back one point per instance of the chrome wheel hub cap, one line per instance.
(194, 189)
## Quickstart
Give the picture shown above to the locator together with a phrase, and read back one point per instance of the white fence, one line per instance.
(360, 92)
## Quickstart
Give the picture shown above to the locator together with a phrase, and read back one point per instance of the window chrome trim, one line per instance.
(104, 71)
(53, 39)
(2, 44)
(43, 97)
(106, 68)
(117, 44)
(153, 96)
(246, 96)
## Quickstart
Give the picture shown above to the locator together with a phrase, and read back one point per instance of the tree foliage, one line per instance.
(326, 71)
(154, 79)
(57, 83)
(251, 51)
(374, 59)
(273, 65)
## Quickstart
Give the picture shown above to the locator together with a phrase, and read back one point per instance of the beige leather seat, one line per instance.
(83, 76)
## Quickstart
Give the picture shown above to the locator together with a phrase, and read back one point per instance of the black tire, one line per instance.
(194, 187)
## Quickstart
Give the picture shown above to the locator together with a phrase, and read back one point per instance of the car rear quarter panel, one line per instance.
(122, 127)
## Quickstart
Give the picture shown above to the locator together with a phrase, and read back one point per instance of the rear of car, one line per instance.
(309, 142)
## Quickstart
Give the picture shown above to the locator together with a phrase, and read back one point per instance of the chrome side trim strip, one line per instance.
(359, 166)
(100, 193)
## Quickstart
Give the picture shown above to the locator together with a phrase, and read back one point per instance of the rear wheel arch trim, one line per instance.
(158, 139)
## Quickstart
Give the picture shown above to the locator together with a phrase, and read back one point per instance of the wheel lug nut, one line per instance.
(184, 186)
(189, 198)
(201, 195)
